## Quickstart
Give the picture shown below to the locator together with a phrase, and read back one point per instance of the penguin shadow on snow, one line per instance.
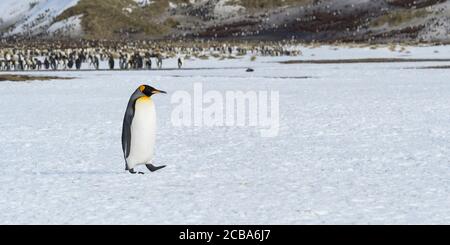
(99, 172)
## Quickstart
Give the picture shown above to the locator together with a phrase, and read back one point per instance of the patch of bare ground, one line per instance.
(433, 67)
(24, 78)
(365, 60)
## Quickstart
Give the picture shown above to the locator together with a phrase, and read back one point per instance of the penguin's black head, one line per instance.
(149, 90)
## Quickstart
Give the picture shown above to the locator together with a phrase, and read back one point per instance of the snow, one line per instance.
(225, 9)
(143, 3)
(68, 27)
(437, 27)
(172, 5)
(33, 16)
(358, 144)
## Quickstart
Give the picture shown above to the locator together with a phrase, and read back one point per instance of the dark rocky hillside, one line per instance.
(319, 20)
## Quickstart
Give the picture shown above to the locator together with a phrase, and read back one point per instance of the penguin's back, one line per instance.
(143, 132)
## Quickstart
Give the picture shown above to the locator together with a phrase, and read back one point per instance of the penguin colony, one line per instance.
(124, 56)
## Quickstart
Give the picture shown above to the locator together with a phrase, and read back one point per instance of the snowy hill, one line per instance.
(32, 17)
(323, 20)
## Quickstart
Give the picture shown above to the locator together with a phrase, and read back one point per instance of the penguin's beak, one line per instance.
(159, 92)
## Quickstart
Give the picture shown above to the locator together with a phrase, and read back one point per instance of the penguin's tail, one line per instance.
(153, 168)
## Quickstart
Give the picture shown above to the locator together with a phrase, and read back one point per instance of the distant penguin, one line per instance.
(139, 129)
(148, 64)
(111, 62)
(159, 61)
(180, 63)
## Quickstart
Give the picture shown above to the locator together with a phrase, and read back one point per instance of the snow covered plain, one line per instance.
(358, 144)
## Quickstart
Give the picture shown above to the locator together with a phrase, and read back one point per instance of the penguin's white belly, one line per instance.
(143, 132)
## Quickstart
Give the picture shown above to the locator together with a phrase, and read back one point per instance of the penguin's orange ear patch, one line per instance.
(141, 88)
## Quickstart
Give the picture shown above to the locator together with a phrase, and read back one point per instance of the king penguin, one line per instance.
(139, 129)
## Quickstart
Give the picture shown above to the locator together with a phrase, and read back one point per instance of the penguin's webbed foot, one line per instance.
(134, 172)
(153, 168)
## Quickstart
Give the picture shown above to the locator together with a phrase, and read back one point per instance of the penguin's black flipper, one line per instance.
(153, 168)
